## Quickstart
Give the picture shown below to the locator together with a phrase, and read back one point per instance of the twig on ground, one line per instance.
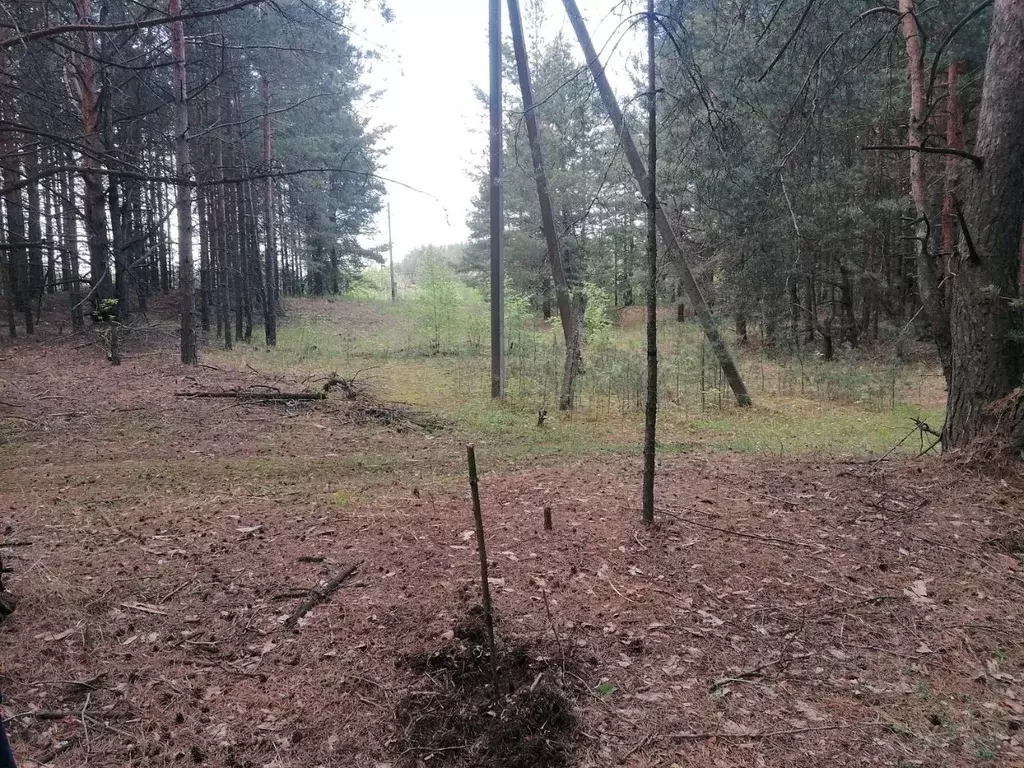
(743, 676)
(318, 596)
(771, 734)
(771, 539)
(554, 629)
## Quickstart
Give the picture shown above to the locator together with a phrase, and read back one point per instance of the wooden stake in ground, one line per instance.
(478, 518)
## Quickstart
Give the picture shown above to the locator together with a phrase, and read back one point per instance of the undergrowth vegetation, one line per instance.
(430, 349)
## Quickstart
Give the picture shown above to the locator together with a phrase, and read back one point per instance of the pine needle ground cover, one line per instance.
(786, 609)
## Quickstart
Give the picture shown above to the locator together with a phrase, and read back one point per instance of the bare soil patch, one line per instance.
(781, 612)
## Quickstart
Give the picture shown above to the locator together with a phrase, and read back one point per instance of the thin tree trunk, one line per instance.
(651, 405)
(703, 312)
(223, 235)
(954, 140)
(986, 402)
(270, 224)
(186, 275)
(570, 326)
(927, 278)
(71, 251)
(34, 267)
(94, 200)
(204, 259)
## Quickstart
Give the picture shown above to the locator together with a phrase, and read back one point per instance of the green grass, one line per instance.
(850, 406)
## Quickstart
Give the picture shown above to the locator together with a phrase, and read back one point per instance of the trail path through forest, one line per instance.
(782, 612)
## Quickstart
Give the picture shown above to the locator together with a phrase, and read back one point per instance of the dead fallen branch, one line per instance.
(741, 534)
(747, 674)
(771, 734)
(260, 396)
(318, 596)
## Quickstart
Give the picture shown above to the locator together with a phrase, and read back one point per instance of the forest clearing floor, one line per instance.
(784, 611)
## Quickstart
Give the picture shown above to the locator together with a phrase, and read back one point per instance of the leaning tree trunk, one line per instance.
(668, 235)
(186, 275)
(986, 402)
(935, 310)
(571, 325)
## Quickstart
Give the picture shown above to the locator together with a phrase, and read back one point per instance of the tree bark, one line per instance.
(186, 275)
(927, 277)
(954, 140)
(223, 237)
(94, 199)
(986, 403)
(651, 403)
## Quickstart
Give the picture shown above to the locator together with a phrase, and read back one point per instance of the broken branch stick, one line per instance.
(318, 596)
(741, 534)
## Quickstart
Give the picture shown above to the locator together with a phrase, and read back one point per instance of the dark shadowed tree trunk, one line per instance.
(270, 224)
(94, 199)
(69, 254)
(651, 403)
(985, 397)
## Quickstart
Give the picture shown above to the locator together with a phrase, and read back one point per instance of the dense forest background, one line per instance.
(813, 158)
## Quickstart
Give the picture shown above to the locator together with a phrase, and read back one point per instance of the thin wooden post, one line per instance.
(481, 545)
(548, 523)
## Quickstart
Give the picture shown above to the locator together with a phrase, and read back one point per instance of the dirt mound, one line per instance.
(453, 716)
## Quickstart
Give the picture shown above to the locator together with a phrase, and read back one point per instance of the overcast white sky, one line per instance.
(433, 55)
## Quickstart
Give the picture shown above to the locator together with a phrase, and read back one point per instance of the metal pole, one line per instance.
(391, 257)
(496, 210)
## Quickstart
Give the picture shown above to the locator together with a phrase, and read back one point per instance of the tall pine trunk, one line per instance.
(651, 405)
(927, 274)
(186, 275)
(94, 199)
(986, 402)
(270, 223)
